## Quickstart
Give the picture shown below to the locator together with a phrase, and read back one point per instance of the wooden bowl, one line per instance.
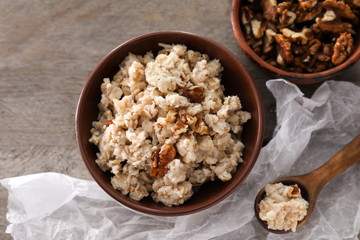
(297, 78)
(237, 81)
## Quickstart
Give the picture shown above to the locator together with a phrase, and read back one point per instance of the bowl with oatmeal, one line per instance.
(169, 123)
(305, 41)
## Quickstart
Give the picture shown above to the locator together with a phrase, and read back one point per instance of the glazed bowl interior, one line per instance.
(237, 81)
(298, 78)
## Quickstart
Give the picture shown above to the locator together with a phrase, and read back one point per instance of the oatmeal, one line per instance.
(282, 207)
(302, 36)
(165, 125)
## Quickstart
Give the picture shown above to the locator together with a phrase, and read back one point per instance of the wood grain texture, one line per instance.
(47, 50)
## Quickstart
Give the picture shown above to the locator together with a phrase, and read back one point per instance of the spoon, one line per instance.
(311, 184)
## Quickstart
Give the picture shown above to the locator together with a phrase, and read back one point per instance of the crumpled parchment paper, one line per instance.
(309, 132)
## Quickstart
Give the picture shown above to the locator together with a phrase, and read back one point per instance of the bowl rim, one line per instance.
(297, 78)
(193, 208)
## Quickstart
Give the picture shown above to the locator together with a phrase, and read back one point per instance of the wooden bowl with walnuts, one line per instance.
(305, 41)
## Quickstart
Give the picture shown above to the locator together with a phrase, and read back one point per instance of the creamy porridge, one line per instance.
(165, 125)
(282, 207)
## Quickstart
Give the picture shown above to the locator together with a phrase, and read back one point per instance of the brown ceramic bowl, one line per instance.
(237, 81)
(298, 78)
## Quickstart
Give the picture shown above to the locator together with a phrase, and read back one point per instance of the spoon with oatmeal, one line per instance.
(285, 204)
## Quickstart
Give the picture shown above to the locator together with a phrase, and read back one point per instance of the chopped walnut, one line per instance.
(160, 159)
(287, 17)
(257, 27)
(335, 26)
(269, 7)
(342, 48)
(246, 15)
(200, 126)
(285, 49)
(283, 6)
(353, 3)
(196, 124)
(307, 4)
(186, 118)
(325, 56)
(194, 93)
(329, 16)
(308, 16)
(298, 37)
(269, 38)
(108, 123)
(314, 46)
(179, 128)
(171, 116)
(295, 191)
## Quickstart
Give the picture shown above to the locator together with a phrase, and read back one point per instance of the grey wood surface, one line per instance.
(48, 49)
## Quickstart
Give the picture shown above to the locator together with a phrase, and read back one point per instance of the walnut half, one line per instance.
(342, 48)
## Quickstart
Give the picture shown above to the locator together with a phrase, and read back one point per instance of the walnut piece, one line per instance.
(108, 123)
(269, 8)
(200, 126)
(257, 26)
(298, 37)
(287, 17)
(179, 128)
(329, 16)
(196, 124)
(194, 94)
(353, 3)
(186, 118)
(307, 4)
(304, 16)
(314, 46)
(342, 48)
(285, 49)
(340, 9)
(282, 7)
(160, 159)
(296, 191)
(171, 116)
(334, 26)
(246, 15)
(269, 38)
(325, 56)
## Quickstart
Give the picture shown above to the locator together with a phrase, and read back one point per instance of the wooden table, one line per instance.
(47, 50)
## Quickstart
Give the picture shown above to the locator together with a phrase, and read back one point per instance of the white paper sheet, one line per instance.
(309, 132)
